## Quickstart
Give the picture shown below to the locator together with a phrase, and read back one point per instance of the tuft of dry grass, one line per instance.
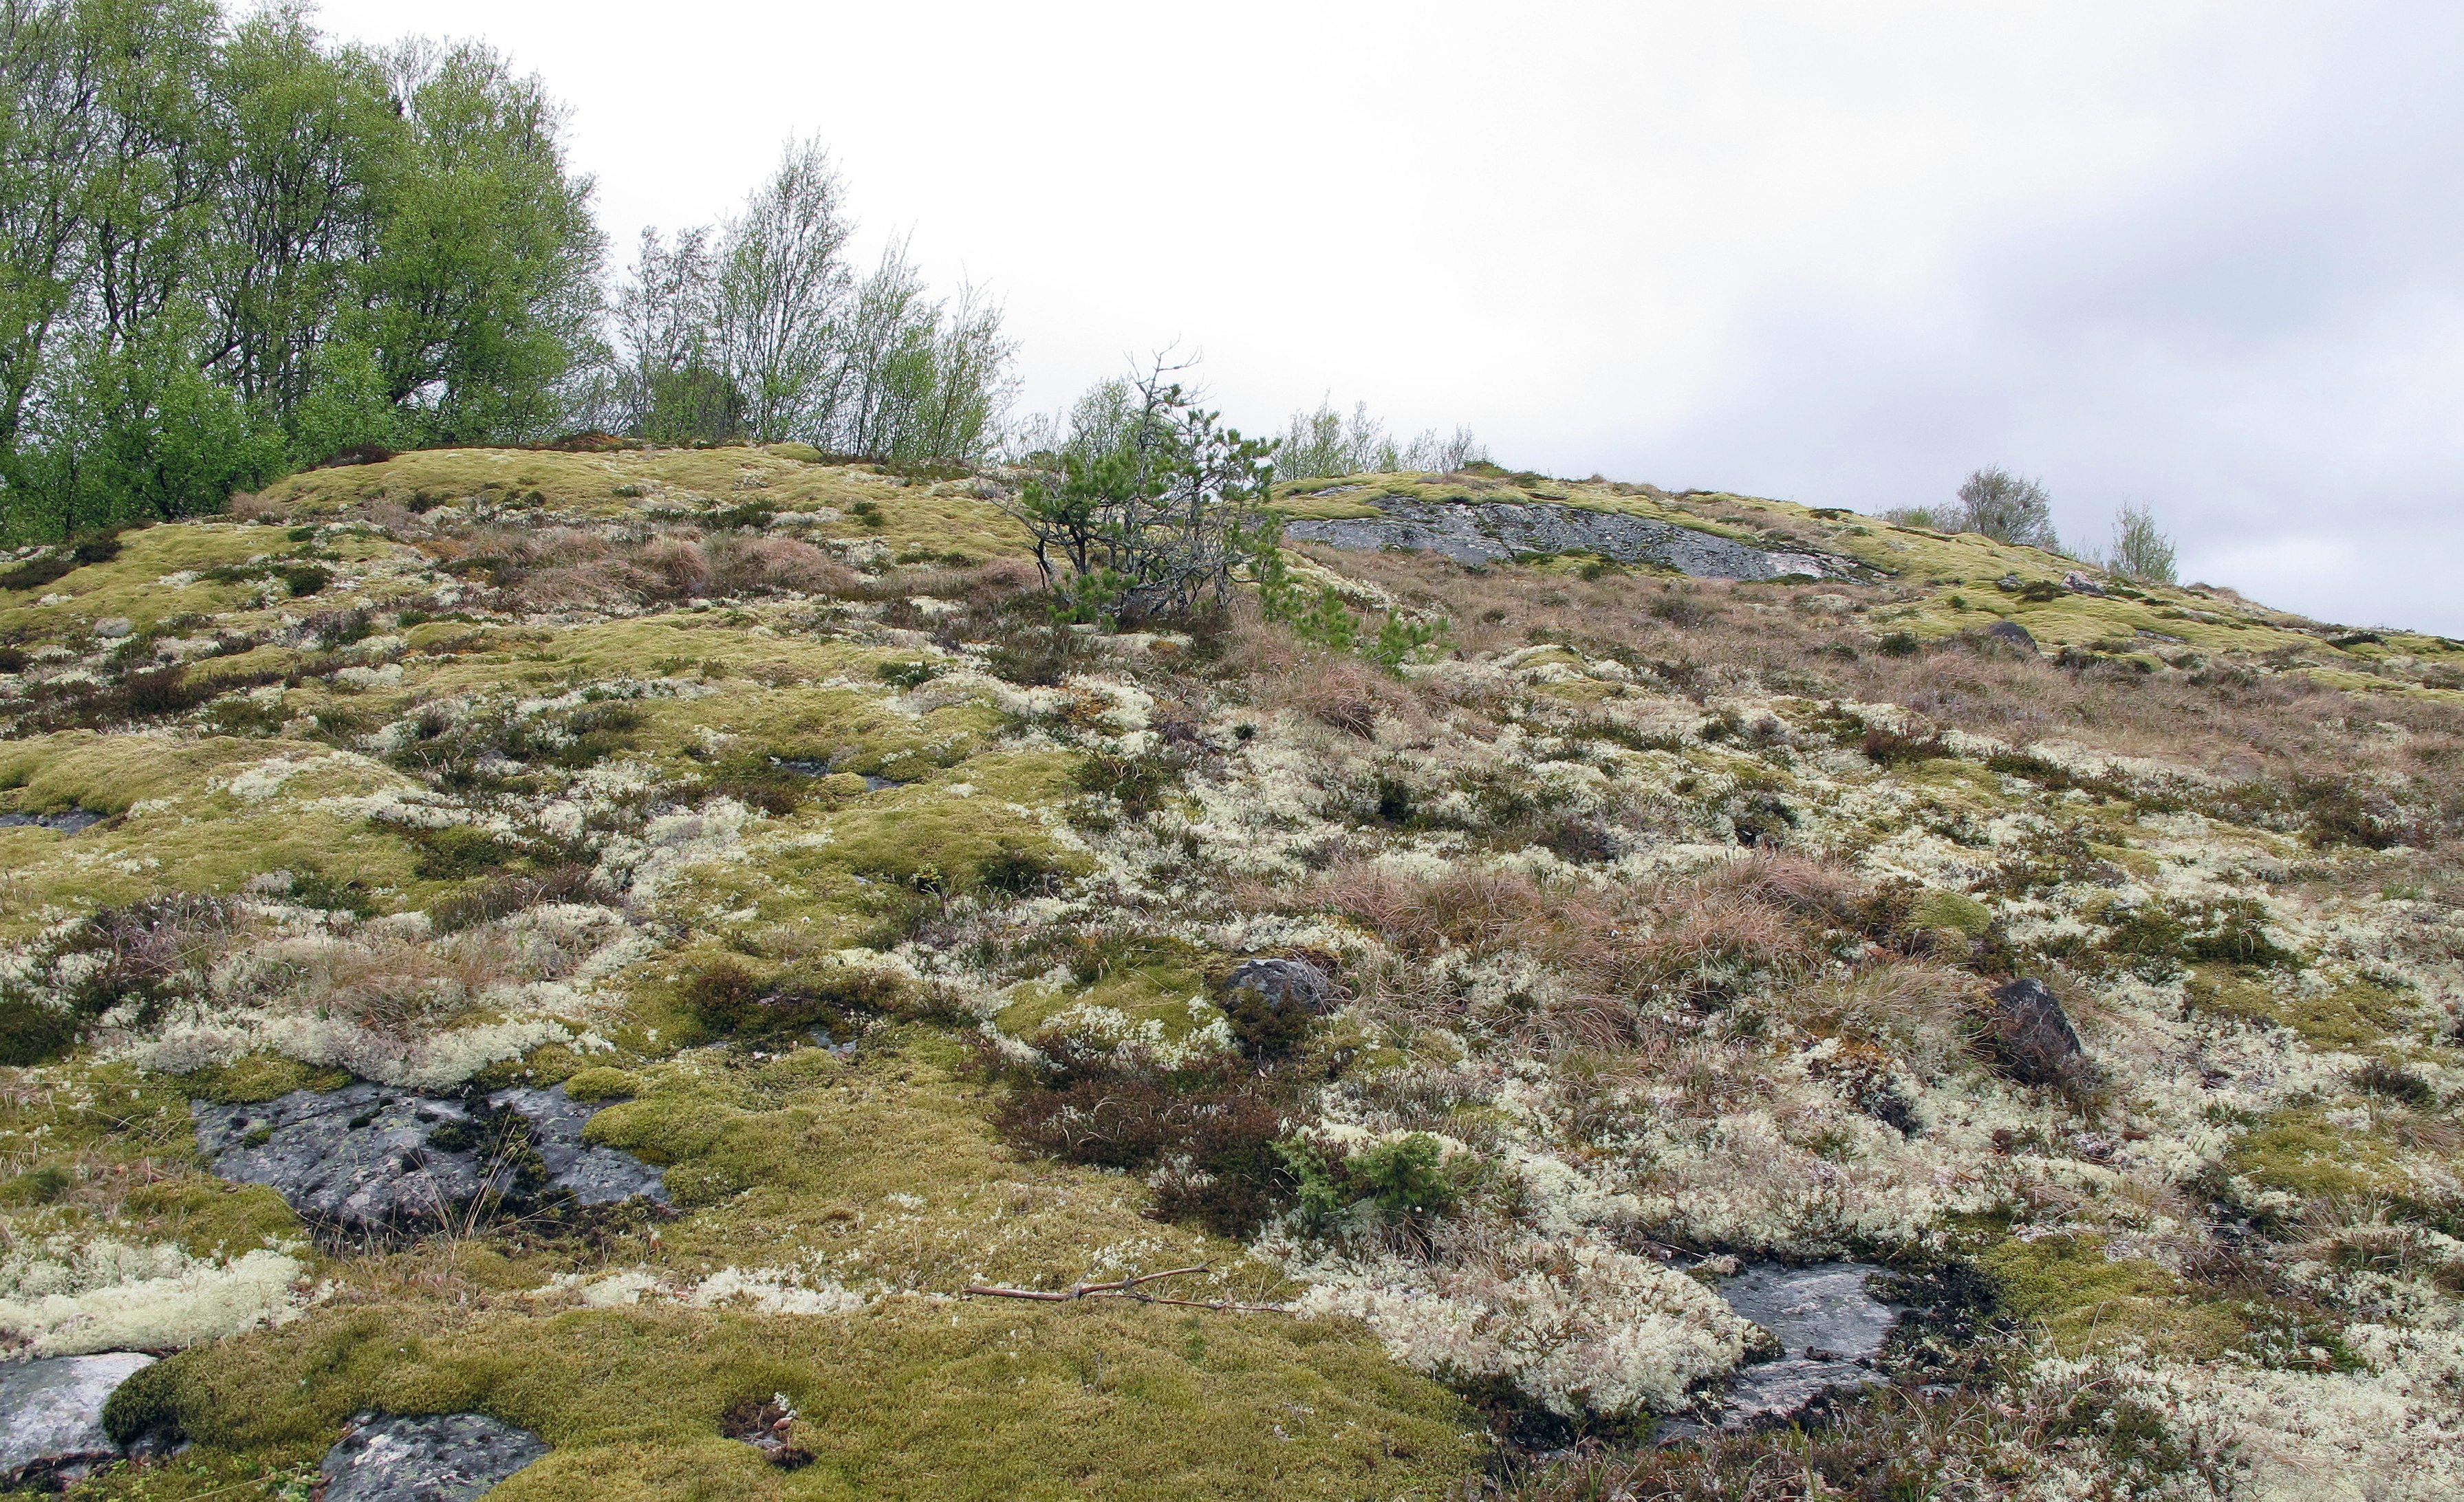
(748, 565)
(1628, 952)
(1334, 689)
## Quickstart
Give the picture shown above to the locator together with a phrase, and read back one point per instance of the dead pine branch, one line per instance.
(1127, 1287)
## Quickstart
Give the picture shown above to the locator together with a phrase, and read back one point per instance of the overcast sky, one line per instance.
(2204, 256)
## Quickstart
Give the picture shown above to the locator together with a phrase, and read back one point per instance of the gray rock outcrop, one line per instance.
(1285, 983)
(369, 1157)
(68, 823)
(1480, 533)
(51, 1416)
(447, 1457)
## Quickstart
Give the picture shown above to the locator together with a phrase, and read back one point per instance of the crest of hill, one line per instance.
(761, 797)
(1950, 584)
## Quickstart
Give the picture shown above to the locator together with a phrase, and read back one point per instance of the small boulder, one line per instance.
(51, 1416)
(1272, 1003)
(441, 1458)
(111, 628)
(2012, 634)
(2079, 583)
(1285, 983)
(2030, 1034)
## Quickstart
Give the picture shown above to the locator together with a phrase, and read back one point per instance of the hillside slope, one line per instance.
(755, 802)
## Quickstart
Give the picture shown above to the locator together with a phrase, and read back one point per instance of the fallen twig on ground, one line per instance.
(1127, 1287)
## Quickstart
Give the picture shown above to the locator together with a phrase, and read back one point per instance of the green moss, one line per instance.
(2138, 863)
(972, 1400)
(127, 585)
(2299, 1152)
(931, 836)
(208, 1215)
(106, 773)
(168, 854)
(2355, 1016)
(600, 1083)
(875, 1172)
(2085, 1301)
(803, 1155)
(1953, 911)
(258, 1077)
(1159, 982)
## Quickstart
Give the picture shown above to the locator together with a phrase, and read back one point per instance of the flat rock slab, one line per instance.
(1828, 1327)
(448, 1457)
(367, 1156)
(1823, 1308)
(1477, 533)
(1778, 1391)
(50, 1415)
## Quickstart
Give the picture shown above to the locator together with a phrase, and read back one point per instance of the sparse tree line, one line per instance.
(227, 249)
(231, 247)
(2014, 509)
(762, 330)
(1325, 444)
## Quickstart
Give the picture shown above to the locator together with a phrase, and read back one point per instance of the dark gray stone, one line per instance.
(50, 1415)
(1286, 983)
(596, 1175)
(1478, 532)
(362, 1157)
(447, 1457)
(2013, 633)
(2030, 1034)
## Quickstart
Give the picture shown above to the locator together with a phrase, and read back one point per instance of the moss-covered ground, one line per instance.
(758, 797)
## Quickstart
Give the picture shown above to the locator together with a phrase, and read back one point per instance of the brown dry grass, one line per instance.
(1334, 689)
(1630, 954)
(1705, 637)
(557, 567)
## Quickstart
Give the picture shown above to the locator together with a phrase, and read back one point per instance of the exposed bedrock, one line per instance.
(51, 1416)
(1492, 532)
(369, 1157)
(441, 1458)
(1827, 1330)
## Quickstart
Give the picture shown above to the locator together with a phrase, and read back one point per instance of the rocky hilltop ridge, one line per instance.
(667, 973)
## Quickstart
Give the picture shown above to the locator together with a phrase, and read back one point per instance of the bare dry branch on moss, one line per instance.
(1127, 1287)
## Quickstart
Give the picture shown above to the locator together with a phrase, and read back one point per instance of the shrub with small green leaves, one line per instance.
(1405, 1179)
